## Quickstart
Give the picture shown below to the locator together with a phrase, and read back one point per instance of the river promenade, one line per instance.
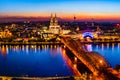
(30, 43)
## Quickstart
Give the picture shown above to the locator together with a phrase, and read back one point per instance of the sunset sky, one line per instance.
(82, 9)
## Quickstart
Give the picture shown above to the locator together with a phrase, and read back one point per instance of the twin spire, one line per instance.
(53, 20)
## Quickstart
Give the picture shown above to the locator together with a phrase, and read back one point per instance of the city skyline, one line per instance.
(66, 9)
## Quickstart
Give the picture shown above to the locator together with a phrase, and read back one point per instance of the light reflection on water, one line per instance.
(33, 60)
(111, 51)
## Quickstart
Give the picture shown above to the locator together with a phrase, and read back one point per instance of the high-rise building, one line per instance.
(54, 27)
(92, 22)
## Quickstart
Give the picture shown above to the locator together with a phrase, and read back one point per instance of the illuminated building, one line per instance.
(118, 26)
(5, 34)
(54, 27)
(13, 25)
(98, 31)
(77, 29)
(65, 31)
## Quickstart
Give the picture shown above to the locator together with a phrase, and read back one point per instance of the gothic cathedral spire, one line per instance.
(55, 19)
(51, 20)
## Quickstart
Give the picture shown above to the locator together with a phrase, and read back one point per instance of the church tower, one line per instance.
(51, 20)
(56, 21)
(54, 27)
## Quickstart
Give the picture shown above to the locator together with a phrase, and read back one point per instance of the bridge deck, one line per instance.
(95, 62)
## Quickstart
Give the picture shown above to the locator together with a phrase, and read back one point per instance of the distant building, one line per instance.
(98, 30)
(5, 34)
(93, 22)
(54, 27)
(65, 31)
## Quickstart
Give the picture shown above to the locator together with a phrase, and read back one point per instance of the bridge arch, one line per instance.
(88, 34)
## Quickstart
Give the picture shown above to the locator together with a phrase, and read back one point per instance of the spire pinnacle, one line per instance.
(51, 15)
(55, 15)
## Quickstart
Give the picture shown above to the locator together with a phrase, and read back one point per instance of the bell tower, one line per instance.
(51, 20)
(55, 20)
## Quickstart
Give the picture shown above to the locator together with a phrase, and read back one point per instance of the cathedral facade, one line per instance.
(54, 27)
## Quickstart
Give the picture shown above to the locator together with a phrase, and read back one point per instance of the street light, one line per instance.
(75, 65)
(101, 61)
(75, 58)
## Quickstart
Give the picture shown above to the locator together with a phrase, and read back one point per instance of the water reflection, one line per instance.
(88, 47)
(118, 46)
(4, 51)
(110, 51)
(97, 47)
(107, 45)
(33, 60)
(27, 51)
(113, 46)
(102, 47)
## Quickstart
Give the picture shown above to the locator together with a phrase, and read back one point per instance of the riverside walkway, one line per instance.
(28, 43)
(93, 61)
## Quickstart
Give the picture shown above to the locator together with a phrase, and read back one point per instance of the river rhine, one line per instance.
(110, 51)
(48, 60)
(33, 61)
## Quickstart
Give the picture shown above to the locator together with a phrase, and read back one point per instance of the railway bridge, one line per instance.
(96, 63)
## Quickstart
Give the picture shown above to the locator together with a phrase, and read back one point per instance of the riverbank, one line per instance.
(100, 41)
(30, 43)
(36, 78)
(51, 43)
